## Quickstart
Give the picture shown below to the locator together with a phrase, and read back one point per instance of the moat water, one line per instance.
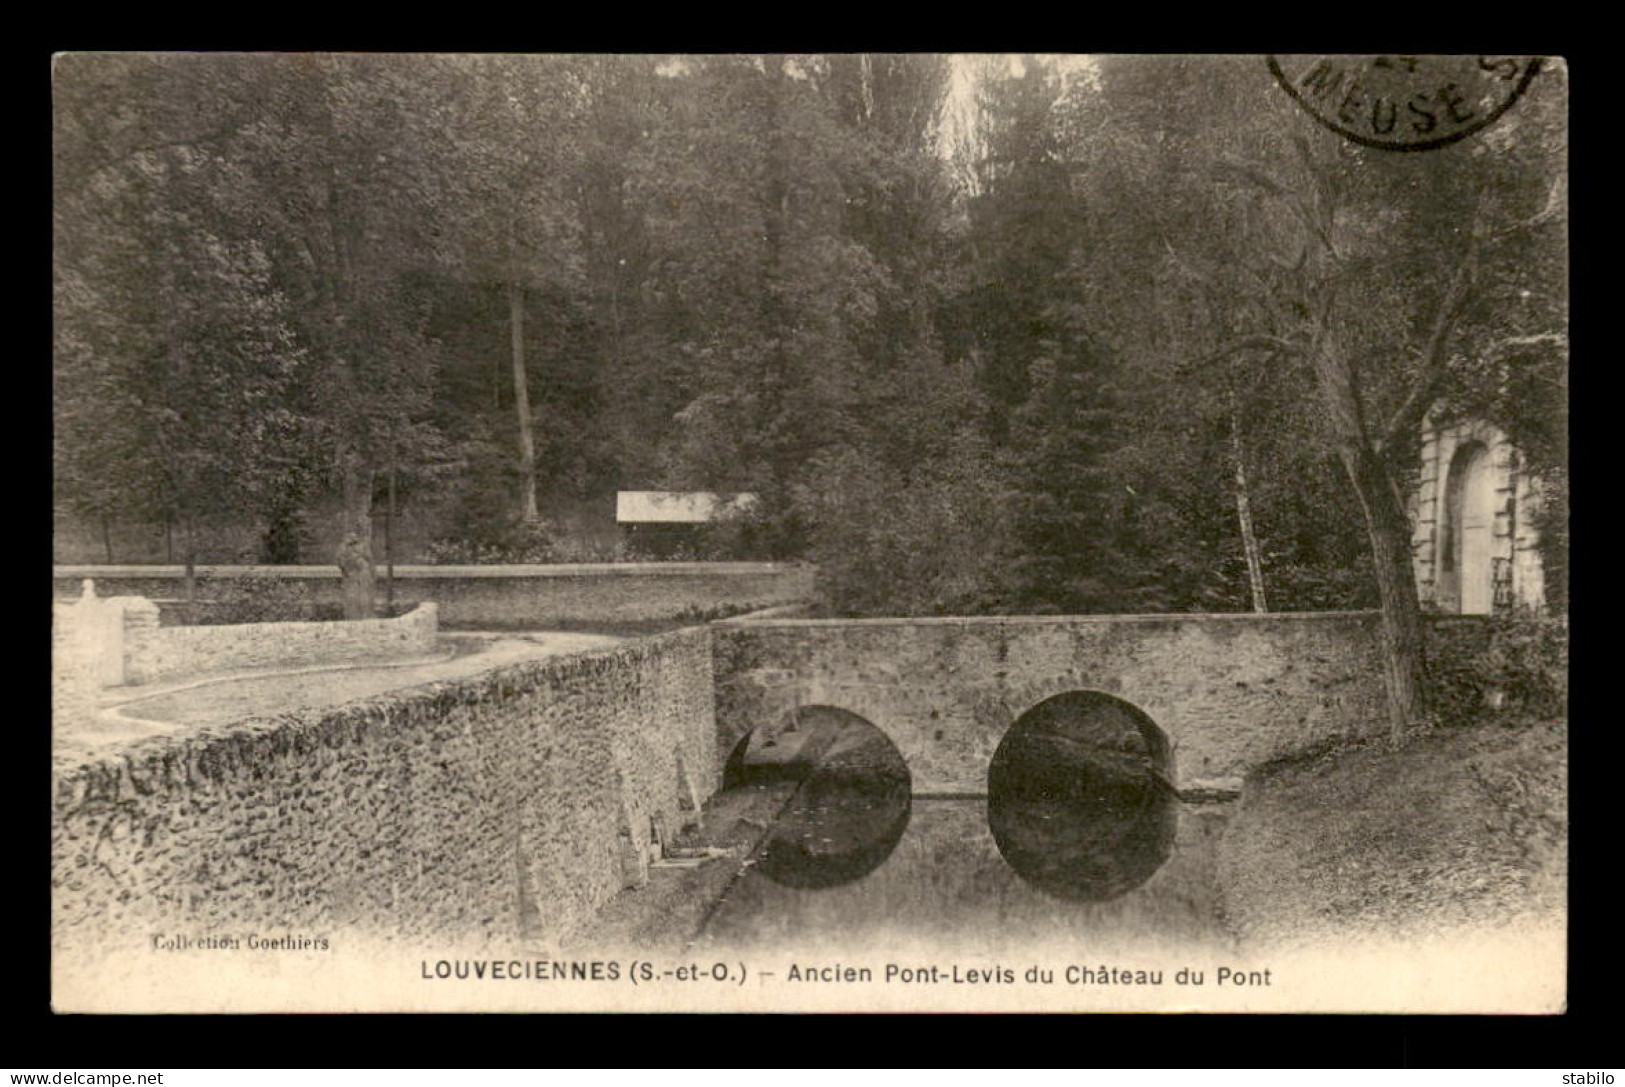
(1083, 850)
(946, 882)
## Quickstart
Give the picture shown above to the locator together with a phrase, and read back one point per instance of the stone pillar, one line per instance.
(690, 808)
(1425, 519)
(1506, 516)
(634, 847)
(425, 619)
(132, 630)
(1529, 576)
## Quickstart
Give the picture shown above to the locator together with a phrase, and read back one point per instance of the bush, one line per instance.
(930, 542)
(1499, 664)
(261, 599)
(519, 542)
(250, 599)
(573, 549)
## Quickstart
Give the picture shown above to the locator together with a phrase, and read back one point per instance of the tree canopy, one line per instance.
(982, 333)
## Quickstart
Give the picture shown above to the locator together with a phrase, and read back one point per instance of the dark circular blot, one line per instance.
(1079, 797)
(1404, 103)
(850, 809)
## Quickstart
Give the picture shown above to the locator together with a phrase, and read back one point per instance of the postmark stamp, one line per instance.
(1404, 103)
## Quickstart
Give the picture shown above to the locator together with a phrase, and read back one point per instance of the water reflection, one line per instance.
(1079, 801)
(852, 805)
(1080, 834)
(946, 886)
(838, 828)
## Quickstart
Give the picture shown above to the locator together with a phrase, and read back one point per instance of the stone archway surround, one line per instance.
(1515, 577)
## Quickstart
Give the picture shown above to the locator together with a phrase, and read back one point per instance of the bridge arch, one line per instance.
(1080, 796)
(853, 798)
(1100, 719)
(794, 745)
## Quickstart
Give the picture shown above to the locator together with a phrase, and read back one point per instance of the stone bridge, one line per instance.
(514, 804)
(1228, 692)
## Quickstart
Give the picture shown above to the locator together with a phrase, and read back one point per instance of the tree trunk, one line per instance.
(775, 308)
(355, 548)
(1244, 516)
(1388, 530)
(521, 403)
(389, 543)
(496, 385)
(107, 539)
(189, 557)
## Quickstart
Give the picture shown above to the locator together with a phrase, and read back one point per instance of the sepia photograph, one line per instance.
(858, 532)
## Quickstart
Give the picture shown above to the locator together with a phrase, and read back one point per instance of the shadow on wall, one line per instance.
(1080, 800)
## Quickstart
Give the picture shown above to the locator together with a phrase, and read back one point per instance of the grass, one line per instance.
(1458, 828)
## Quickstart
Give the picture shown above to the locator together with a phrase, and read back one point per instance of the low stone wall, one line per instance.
(73, 666)
(485, 812)
(1231, 692)
(533, 596)
(153, 653)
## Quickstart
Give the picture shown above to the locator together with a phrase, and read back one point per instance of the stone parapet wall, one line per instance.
(152, 653)
(486, 812)
(1231, 692)
(531, 596)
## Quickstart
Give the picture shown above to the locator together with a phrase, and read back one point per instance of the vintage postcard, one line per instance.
(860, 532)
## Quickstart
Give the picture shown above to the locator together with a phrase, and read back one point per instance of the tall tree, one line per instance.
(1023, 228)
(1365, 267)
(518, 136)
(1047, 376)
(348, 162)
(175, 347)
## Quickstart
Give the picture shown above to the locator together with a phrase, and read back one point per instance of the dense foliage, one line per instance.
(1516, 666)
(954, 320)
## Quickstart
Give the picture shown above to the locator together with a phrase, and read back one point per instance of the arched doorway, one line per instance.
(1466, 566)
